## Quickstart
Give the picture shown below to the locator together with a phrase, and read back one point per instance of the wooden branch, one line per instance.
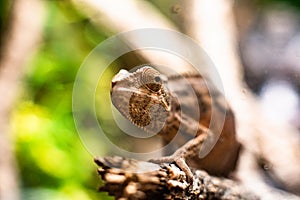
(167, 181)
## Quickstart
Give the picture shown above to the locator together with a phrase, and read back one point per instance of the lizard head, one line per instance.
(142, 97)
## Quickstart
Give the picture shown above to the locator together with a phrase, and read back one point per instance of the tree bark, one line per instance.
(167, 181)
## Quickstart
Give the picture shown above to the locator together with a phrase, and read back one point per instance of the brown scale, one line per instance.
(140, 105)
(222, 159)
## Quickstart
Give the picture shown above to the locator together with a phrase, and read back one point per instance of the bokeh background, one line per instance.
(43, 155)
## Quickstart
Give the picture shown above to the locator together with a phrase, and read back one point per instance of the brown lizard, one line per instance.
(179, 108)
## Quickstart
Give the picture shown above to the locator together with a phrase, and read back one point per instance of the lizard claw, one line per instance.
(180, 162)
(184, 167)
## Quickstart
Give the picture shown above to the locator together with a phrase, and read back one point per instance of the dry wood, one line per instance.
(123, 181)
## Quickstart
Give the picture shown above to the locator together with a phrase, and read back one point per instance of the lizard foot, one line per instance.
(189, 149)
(180, 162)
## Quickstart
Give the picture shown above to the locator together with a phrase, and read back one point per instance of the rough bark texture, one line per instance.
(123, 181)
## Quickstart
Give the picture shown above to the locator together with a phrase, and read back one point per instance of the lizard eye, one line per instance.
(150, 78)
(150, 75)
(157, 79)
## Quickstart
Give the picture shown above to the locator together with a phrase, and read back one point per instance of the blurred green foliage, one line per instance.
(52, 160)
(293, 3)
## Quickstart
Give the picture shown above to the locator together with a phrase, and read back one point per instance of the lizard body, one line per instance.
(179, 104)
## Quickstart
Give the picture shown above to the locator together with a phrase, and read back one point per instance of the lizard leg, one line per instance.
(188, 150)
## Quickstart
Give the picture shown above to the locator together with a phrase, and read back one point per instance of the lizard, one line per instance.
(167, 106)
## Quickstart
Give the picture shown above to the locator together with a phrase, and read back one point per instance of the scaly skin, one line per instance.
(179, 108)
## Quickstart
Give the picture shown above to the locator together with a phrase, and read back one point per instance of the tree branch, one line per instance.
(167, 181)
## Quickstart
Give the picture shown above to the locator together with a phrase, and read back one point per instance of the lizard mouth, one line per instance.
(160, 100)
(165, 104)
